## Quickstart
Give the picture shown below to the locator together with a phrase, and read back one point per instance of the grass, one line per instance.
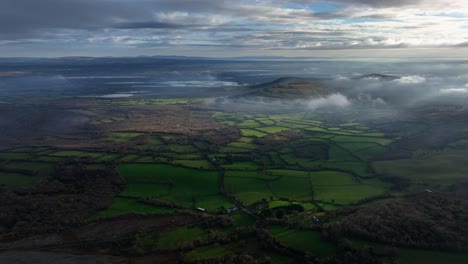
(189, 187)
(437, 168)
(247, 190)
(76, 153)
(337, 153)
(244, 145)
(303, 240)
(154, 142)
(242, 219)
(15, 156)
(289, 173)
(129, 158)
(241, 165)
(300, 163)
(249, 124)
(109, 157)
(121, 136)
(246, 139)
(48, 159)
(359, 139)
(265, 121)
(191, 156)
(272, 129)
(317, 129)
(331, 178)
(23, 149)
(251, 174)
(123, 206)
(38, 170)
(16, 180)
(280, 203)
(409, 256)
(146, 189)
(211, 251)
(357, 167)
(292, 188)
(234, 150)
(179, 237)
(369, 153)
(181, 148)
(347, 194)
(196, 164)
(252, 133)
(41, 169)
(147, 243)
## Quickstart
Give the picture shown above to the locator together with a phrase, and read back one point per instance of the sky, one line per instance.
(223, 28)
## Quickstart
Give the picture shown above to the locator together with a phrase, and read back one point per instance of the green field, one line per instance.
(16, 156)
(346, 194)
(249, 124)
(181, 148)
(272, 129)
(252, 133)
(331, 178)
(241, 165)
(247, 190)
(36, 171)
(178, 237)
(76, 153)
(207, 252)
(251, 174)
(124, 206)
(435, 168)
(196, 164)
(293, 188)
(109, 157)
(122, 136)
(188, 187)
(359, 139)
(15, 180)
(317, 165)
(250, 246)
(244, 145)
(303, 240)
(242, 219)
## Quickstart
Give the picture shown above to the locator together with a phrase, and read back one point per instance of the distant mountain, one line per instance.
(288, 88)
(149, 58)
(376, 76)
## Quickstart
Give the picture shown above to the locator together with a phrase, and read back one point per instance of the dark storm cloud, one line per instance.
(147, 24)
(24, 18)
(31, 18)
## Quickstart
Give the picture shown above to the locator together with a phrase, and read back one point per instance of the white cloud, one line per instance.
(454, 90)
(268, 25)
(333, 100)
(414, 79)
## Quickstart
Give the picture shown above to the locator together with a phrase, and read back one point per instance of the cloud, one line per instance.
(414, 79)
(454, 90)
(333, 100)
(244, 25)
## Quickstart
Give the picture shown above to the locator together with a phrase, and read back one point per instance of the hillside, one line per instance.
(288, 88)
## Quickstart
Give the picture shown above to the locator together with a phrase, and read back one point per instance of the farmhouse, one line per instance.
(314, 220)
(232, 209)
